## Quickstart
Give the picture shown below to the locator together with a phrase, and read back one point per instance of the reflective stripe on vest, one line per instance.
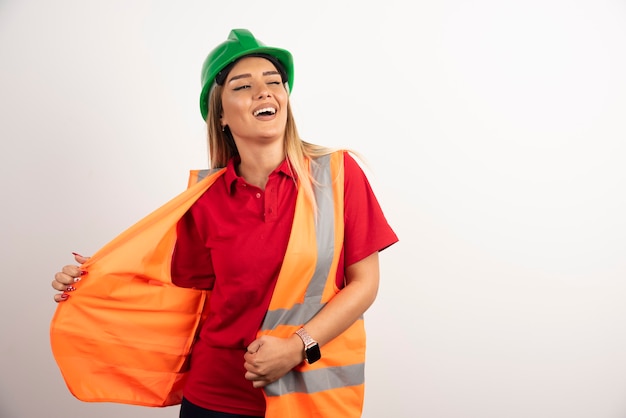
(196, 176)
(324, 233)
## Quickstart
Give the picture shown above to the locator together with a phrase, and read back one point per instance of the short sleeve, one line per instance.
(366, 228)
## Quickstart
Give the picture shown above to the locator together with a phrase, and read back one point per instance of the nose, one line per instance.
(263, 93)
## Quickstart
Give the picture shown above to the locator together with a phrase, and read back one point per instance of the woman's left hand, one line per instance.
(270, 358)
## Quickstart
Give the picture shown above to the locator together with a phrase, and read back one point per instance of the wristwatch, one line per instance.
(311, 347)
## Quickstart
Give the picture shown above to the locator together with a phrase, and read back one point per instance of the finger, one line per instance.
(259, 383)
(249, 363)
(71, 270)
(254, 347)
(80, 258)
(57, 285)
(62, 280)
(253, 376)
(60, 297)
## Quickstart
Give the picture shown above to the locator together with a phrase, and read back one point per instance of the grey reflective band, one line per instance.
(202, 174)
(325, 239)
(317, 380)
(330, 377)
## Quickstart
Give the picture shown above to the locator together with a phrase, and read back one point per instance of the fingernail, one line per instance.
(64, 296)
(73, 253)
(76, 279)
(70, 289)
(82, 273)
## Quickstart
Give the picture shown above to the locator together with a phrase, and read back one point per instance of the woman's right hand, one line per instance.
(64, 280)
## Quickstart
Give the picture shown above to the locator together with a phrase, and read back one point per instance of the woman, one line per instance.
(286, 238)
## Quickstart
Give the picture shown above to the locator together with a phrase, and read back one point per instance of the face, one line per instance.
(254, 101)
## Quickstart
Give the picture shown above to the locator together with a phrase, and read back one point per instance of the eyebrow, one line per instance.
(246, 75)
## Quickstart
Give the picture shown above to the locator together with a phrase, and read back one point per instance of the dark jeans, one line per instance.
(189, 410)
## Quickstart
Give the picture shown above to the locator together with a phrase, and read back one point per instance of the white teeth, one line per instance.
(269, 110)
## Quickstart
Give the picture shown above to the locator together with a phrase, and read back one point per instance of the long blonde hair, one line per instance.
(298, 152)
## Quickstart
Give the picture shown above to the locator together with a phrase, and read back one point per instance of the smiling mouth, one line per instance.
(266, 111)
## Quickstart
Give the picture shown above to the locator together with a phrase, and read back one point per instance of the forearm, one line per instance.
(349, 304)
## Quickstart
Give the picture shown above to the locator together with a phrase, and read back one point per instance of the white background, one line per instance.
(494, 133)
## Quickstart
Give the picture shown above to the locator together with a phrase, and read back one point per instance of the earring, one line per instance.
(223, 128)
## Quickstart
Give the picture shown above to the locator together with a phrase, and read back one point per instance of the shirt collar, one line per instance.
(231, 177)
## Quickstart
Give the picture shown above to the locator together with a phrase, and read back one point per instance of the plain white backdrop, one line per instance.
(494, 134)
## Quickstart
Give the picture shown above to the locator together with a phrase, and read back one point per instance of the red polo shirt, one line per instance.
(233, 240)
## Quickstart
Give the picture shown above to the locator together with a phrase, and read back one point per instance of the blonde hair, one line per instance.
(298, 152)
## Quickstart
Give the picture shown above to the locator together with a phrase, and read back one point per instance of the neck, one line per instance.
(256, 165)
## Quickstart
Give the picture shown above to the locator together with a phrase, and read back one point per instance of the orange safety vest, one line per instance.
(126, 333)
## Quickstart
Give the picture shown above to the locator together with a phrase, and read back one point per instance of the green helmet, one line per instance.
(240, 42)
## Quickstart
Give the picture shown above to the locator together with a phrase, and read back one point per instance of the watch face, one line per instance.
(313, 354)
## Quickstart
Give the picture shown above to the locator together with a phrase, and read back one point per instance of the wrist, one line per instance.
(298, 347)
(311, 349)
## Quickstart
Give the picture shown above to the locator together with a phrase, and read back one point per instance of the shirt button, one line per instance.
(258, 195)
